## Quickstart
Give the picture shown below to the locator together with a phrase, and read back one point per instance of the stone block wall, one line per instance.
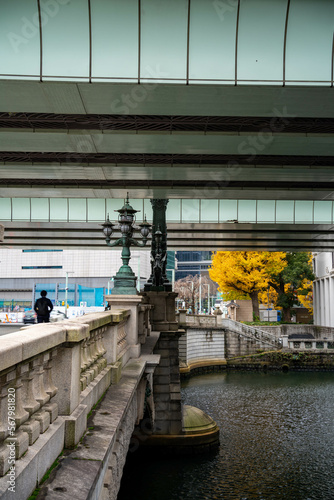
(204, 344)
(237, 345)
(183, 349)
(166, 386)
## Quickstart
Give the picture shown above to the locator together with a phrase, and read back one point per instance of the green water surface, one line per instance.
(276, 442)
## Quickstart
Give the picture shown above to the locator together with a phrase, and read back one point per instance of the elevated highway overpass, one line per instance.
(230, 118)
(186, 236)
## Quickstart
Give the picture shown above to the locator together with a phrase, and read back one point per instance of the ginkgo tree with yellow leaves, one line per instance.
(305, 295)
(286, 276)
(245, 274)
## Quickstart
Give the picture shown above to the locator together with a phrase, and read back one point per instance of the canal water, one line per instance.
(276, 442)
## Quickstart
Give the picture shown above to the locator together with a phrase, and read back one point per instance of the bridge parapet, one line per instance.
(199, 320)
(51, 377)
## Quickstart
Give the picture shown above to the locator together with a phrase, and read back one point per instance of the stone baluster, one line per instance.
(89, 353)
(16, 441)
(40, 395)
(89, 372)
(30, 404)
(21, 415)
(83, 365)
(5, 381)
(96, 353)
(93, 355)
(121, 340)
(84, 359)
(50, 388)
(101, 349)
(42, 416)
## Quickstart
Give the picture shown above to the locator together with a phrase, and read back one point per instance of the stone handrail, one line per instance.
(51, 375)
(253, 333)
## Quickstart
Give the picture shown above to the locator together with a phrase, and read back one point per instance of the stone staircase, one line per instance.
(252, 333)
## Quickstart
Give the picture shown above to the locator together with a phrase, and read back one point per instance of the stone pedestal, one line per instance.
(163, 310)
(131, 302)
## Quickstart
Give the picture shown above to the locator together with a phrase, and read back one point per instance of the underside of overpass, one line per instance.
(245, 158)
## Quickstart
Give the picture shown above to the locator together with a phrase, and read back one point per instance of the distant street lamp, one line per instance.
(192, 296)
(207, 284)
(125, 279)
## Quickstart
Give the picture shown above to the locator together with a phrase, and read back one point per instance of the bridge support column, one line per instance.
(166, 386)
(166, 378)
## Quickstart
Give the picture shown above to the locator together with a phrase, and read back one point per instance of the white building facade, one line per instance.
(323, 289)
(20, 269)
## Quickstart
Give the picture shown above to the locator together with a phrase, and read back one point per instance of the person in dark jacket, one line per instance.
(43, 307)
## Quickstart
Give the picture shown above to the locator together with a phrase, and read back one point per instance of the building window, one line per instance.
(41, 250)
(42, 267)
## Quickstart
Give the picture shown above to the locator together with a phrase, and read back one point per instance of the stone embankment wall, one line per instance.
(210, 340)
(237, 345)
(202, 345)
(284, 361)
(214, 343)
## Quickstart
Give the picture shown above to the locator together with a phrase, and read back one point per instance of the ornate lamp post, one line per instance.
(125, 279)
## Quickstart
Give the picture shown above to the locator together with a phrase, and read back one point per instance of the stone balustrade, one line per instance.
(315, 345)
(199, 320)
(51, 376)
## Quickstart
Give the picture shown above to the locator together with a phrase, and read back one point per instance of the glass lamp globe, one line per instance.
(107, 228)
(145, 228)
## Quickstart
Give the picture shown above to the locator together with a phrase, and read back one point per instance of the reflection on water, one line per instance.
(276, 442)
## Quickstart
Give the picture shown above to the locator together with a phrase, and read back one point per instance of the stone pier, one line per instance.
(166, 379)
